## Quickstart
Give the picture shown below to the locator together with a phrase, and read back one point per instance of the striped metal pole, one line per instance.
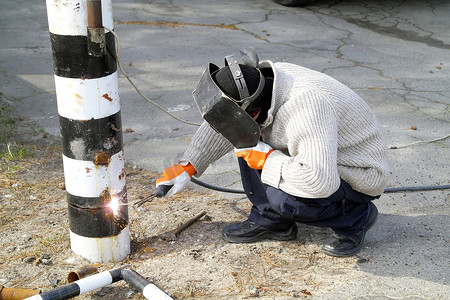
(82, 286)
(90, 120)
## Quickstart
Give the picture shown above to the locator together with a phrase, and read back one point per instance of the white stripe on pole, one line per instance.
(153, 292)
(69, 17)
(93, 179)
(113, 248)
(84, 99)
(94, 282)
(107, 14)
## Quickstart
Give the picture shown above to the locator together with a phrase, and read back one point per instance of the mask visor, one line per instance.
(223, 114)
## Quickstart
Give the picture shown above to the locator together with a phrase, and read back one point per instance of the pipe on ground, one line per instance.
(82, 286)
(149, 290)
(81, 273)
(16, 294)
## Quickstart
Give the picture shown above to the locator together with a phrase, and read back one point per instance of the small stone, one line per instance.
(46, 256)
(29, 259)
(129, 294)
(104, 291)
(47, 262)
(53, 280)
(70, 260)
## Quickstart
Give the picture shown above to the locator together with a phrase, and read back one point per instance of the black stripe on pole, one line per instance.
(83, 140)
(72, 60)
(64, 292)
(135, 279)
(96, 202)
(98, 222)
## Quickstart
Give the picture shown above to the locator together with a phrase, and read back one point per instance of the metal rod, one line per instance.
(188, 223)
(94, 10)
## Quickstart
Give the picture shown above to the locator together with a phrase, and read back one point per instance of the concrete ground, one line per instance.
(393, 53)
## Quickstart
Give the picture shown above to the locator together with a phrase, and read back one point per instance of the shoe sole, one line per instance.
(267, 235)
(365, 229)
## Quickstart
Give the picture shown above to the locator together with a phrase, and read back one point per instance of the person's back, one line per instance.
(329, 129)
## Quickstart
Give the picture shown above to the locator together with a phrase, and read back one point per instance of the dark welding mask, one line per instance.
(226, 115)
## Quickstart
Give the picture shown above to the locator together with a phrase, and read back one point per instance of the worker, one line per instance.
(319, 158)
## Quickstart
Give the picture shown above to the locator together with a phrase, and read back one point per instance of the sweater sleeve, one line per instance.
(206, 147)
(309, 168)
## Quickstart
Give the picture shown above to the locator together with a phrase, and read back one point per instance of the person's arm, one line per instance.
(206, 147)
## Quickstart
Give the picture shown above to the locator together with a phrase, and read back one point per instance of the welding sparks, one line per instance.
(114, 205)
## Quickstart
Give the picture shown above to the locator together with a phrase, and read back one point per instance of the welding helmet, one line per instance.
(231, 115)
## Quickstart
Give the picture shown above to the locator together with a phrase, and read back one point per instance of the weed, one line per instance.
(11, 150)
(14, 152)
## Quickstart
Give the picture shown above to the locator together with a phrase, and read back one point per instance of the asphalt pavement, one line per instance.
(393, 53)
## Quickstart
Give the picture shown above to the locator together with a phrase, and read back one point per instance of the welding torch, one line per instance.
(159, 192)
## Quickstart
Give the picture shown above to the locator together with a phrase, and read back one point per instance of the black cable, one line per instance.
(216, 188)
(386, 191)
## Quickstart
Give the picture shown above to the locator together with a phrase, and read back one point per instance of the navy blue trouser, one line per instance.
(345, 211)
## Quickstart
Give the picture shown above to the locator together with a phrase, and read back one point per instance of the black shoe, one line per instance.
(248, 232)
(347, 245)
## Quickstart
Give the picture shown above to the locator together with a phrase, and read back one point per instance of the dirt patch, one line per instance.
(197, 264)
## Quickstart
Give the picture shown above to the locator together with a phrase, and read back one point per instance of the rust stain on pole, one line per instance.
(107, 97)
(102, 158)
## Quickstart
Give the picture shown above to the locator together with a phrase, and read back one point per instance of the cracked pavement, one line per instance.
(395, 54)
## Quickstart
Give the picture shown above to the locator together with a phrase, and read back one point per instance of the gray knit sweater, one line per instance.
(320, 130)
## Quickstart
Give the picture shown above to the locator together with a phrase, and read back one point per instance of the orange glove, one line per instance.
(255, 156)
(177, 176)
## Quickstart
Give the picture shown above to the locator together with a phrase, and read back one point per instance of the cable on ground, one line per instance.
(419, 142)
